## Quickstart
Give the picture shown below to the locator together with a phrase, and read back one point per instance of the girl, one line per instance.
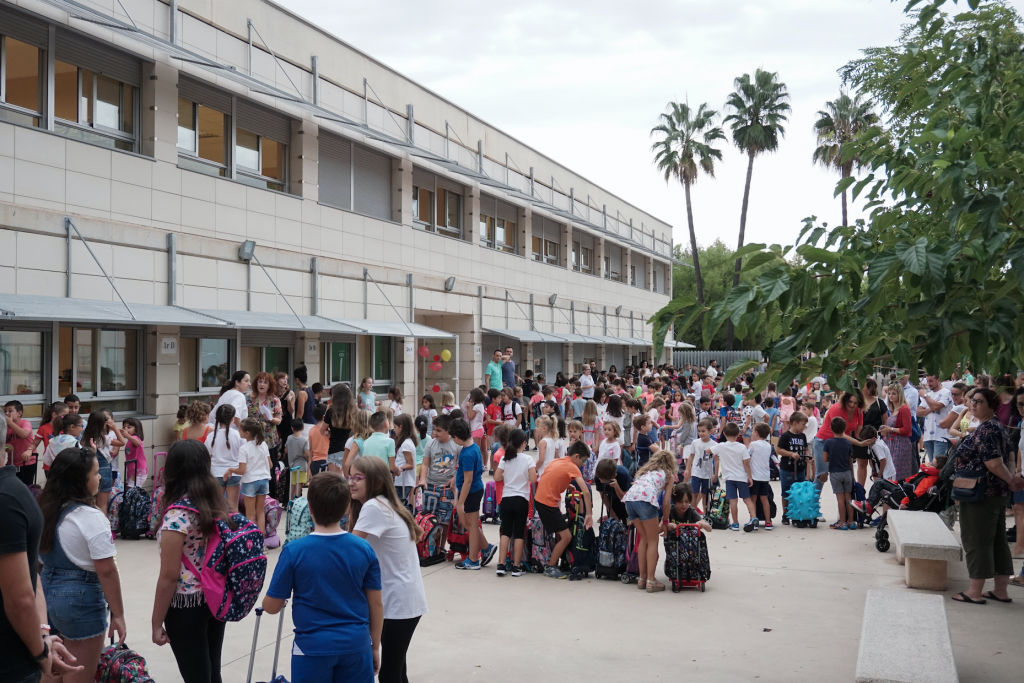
(685, 428)
(656, 411)
(198, 418)
(424, 431)
(134, 449)
(656, 476)
(546, 448)
(590, 425)
(101, 435)
(254, 457)
(518, 473)
(610, 447)
(304, 400)
(682, 511)
(223, 445)
(615, 414)
(53, 418)
(395, 396)
(601, 399)
(447, 403)
(233, 394)
(79, 574)
(575, 431)
(68, 434)
(182, 423)
(475, 414)
(360, 432)
(191, 504)
(428, 411)
(377, 515)
(367, 399)
(337, 425)
(405, 457)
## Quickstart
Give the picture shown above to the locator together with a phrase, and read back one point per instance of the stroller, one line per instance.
(938, 499)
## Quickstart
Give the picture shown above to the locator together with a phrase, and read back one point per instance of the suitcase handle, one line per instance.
(255, 635)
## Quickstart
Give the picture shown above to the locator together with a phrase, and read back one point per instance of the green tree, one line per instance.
(838, 124)
(936, 276)
(759, 106)
(683, 152)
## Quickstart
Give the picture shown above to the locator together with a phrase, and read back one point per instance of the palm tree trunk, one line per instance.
(846, 173)
(743, 229)
(693, 246)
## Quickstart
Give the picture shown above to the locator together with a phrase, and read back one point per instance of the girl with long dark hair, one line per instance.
(518, 473)
(233, 393)
(102, 435)
(337, 425)
(224, 445)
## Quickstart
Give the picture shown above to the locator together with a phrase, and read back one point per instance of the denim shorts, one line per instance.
(437, 498)
(106, 475)
(936, 448)
(233, 481)
(336, 458)
(75, 604)
(700, 485)
(641, 510)
(260, 487)
(736, 489)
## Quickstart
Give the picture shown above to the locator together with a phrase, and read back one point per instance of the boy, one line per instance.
(794, 463)
(557, 476)
(492, 418)
(379, 443)
(735, 462)
(627, 428)
(612, 482)
(812, 422)
(470, 487)
(772, 417)
(704, 409)
(318, 443)
(727, 415)
(643, 426)
(837, 453)
(578, 403)
(575, 431)
(760, 451)
(337, 605)
(437, 476)
(318, 393)
(299, 457)
(19, 442)
(701, 463)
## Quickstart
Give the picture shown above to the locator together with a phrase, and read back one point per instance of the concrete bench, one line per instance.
(905, 639)
(924, 545)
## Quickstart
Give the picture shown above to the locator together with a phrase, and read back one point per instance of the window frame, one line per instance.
(98, 395)
(432, 225)
(327, 363)
(98, 129)
(223, 170)
(256, 178)
(378, 381)
(491, 241)
(45, 356)
(200, 390)
(41, 84)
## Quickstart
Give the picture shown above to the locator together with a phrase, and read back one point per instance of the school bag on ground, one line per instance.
(759, 509)
(299, 523)
(156, 500)
(135, 507)
(802, 504)
(489, 507)
(114, 508)
(540, 546)
(119, 664)
(233, 567)
(429, 548)
(611, 550)
(580, 556)
(632, 555)
(272, 512)
(686, 557)
(718, 509)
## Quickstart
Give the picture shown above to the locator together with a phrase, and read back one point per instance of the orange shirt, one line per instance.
(557, 475)
(318, 444)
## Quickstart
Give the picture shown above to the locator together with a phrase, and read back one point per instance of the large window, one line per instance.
(101, 366)
(203, 364)
(447, 214)
(21, 370)
(202, 138)
(497, 230)
(260, 160)
(94, 108)
(545, 251)
(21, 85)
(376, 360)
(266, 359)
(336, 362)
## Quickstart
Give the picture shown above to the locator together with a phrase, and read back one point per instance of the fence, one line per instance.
(701, 358)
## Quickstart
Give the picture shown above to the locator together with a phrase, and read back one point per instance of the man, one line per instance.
(508, 370)
(25, 641)
(587, 383)
(492, 374)
(910, 393)
(713, 369)
(935, 405)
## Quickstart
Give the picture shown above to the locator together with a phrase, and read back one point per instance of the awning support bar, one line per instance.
(366, 274)
(271, 51)
(288, 303)
(69, 225)
(509, 296)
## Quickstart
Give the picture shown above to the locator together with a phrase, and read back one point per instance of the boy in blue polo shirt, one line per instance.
(469, 487)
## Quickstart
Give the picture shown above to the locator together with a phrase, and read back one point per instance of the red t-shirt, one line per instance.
(18, 447)
(853, 424)
(493, 412)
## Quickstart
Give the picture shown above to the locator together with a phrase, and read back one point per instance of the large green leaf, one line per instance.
(914, 255)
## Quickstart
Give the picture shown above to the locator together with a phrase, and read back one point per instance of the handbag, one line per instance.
(969, 486)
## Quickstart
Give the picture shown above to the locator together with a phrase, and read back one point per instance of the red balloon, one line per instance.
(424, 351)
(437, 357)
(436, 389)
(436, 366)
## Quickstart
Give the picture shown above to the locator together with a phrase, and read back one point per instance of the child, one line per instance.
(837, 452)
(590, 425)
(337, 605)
(548, 498)
(447, 403)
(501, 434)
(224, 444)
(701, 463)
(682, 511)
(395, 396)
(578, 403)
(642, 425)
(475, 413)
(492, 418)
(547, 448)
(760, 451)
(378, 444)
(575, 431)
(518, 473)
(131, 427)
(440, 458)
(771, 416)
(19, 442)
(198, 418)
(53, 418)
(404, 464)
(612, 483)
(68, 435)
(361, 431)
(182, 423)
(102, 435)
(511, 411)
(470, 487)
(809, 408)
(298, 458)
(428, 411)
(655, 409)
(368, 399)
(423, 431)
(319, 443)
(793, 459)
(610, 447)
(735, 461)
(727, 415)
(254, 455)
(656, 477)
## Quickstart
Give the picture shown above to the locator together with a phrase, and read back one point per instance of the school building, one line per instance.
(195, 188)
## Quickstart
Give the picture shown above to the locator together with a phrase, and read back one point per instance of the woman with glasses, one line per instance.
(957, 413)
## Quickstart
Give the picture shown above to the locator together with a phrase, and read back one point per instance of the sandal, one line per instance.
(641, 584)
(962, 597)
(992, 596)
(1017, 581)
(837, 526)
(655, 587)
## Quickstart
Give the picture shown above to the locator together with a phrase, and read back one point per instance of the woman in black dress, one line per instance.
(875, 415)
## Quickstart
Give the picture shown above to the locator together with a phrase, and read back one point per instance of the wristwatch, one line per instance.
(45, 654)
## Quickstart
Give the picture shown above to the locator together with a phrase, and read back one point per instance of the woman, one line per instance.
(263, 405)
(181, 616)
(959, 410)
(875, 414)
(233, 394)
(897, 431)
(612, 370)
(337, 426)
(304, 400)
(287, 398)
(986, 452)
(79, 575)
(849, 408)
(378, 516)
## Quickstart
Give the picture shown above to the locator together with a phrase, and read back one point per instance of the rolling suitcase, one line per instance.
(489, 507)
(611, 550)
(718, 509)
(686, 557)
(274, 678)
(540, 545)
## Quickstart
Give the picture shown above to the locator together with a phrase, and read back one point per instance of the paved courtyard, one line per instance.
(784, 605)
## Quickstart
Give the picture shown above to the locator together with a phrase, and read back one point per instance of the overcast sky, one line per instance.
(584, 83)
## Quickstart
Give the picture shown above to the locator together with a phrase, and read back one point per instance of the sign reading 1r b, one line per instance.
(168, 346)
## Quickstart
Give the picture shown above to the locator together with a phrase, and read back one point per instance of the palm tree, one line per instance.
(759, 106)
(838, 124)
(683, 152)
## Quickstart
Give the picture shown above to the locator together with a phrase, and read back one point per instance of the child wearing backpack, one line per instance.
(337, 600)
(223, 445)
(134, 449)
(299, 457)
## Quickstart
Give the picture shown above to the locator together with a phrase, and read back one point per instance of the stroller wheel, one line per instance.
(882, 545)
(884, 534)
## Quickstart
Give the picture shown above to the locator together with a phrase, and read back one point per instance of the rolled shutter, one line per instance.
(507, 211)
(446, 184)
(335, 171)
(372, 181)
(23, 27)
(100, 58)
(488, 206)
(262, 121)
(204, 94)
(421, 178)
(338, 338)
(206, 332)
(278, 338)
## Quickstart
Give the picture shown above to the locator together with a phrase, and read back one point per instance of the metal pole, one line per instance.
(411, 113)
(572, 317)
(316, 81)
(248, 24)
(172, 269)
(277, 650)
(51, 70)
(606, 321)
(506, 168)
(366, 105)
(447, 142)
(255, 634)
(67, 227)
(533, 327)
(366, 294)
(531, 181)
(314, 267)
(248, 285)
(572, 201)
(412, 298)
(174, 21)
(506, 309)
(604, 214)
(480, 155)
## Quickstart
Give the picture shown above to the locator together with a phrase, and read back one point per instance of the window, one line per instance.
(449, 212)
(632, 275)
(202, 138)
(101, 366)
(422, 204)
(607, 268)
(382, 370)
(21, 87)
(336, 359)
(277, 359)
(260, 160)
(94, 108)
(551, 252)
(21, 370)
(538, 249)
(487, 230)
(203, 365)
(587, 260)
(575, 255)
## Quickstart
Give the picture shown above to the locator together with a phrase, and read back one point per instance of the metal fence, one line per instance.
(701, 358)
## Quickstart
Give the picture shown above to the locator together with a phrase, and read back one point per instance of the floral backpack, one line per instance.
(118, 664)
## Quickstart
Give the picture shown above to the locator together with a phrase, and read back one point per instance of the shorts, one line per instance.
(260, 487)
(232, 482)
(736, 489)
(354, 667)
(106, 475)
(75, 604)
(473, 501)
(1018, 497)
(551, 517)
(478, 433)
(641, 510)
(936, 448)
(787, 479)
(700, 485)
(761, 488)
(437, 498)
(317, 466)
(336, 458)
(298, 477)
(749, 433)
(514, 510)
(842, 482)
(820, 466)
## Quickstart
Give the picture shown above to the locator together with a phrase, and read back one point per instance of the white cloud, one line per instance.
(584, 83)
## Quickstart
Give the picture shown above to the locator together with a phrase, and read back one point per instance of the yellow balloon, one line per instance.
(446, 355)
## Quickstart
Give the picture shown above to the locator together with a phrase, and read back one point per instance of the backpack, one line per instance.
(489, 509)
(718, 510)
(590, 467)
(114, 510)
(272, 511)
(580, 556)
(234, 566)
(611, 547)
(156, 502)
(541, 544)
(429, 546)
(300, 522)
(118, 664)
(135, 509)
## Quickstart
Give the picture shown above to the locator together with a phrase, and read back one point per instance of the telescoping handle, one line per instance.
(255, 635)
(277, 648)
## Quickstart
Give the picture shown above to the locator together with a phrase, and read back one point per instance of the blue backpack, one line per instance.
(300, 522)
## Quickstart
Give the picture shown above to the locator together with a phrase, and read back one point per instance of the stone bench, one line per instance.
(924, 545)
(905, 639)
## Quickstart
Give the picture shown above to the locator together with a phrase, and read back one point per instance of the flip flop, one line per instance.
(992, 596)
(963, 598)
(1017, 581)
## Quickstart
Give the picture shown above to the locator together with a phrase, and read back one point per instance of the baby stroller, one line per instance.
(938, 499)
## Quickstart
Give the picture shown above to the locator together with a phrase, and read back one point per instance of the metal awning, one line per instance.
(615, 341)
(257, 320)
(676, 344)
(580, 339)
(528, 336)
(14, 307)
(396, 328)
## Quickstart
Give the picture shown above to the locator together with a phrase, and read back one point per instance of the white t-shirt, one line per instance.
(913, 398)
(704, 458)
(620, 420)
(654, 414)
(406, 455)
(587, 385)
(881, 452)
(235, 399)
(510, 412)
(255, 459)
(712, 372)
(759, 415)
(610, 451)
(224, 453)
(731, 455)
(932, 430)
(430, 414)
(477, 412)
(396, 408)
(812, 427)
(401, 581)
(550, 453)
(760, 460)
(517, 476)
(85, 537)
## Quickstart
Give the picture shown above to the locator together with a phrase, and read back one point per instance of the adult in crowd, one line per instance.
(234, 393)
(287, 398)
(875, 414)
(79, 575)
(587, 383)
(181, 616)
(492, 373)
(934, 406)
(849, 408)
(337, 425)
(380, 517)
(263, 405)
(508, 369)
(1006, 412)
(28, 650)
(304, 400)
(959, 411)
(897, 432)
(985, 456)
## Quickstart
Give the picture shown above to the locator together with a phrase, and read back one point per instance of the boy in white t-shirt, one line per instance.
(886, 482)
(701, 463)
(760, 471)
(807, 408)
(735, 462)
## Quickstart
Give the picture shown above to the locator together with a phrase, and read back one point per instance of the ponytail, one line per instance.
(224, 416)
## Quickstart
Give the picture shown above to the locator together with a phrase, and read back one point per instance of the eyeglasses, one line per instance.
(356, 477)
(978, 401)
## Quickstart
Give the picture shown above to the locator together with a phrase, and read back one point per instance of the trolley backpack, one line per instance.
(686, 556)
(118, 664)
(300, 522)
(233, 568)
(759, 509)
(114, 508)
(272, 515)
(429, 546)
(135, 507)
(156, 500)
(718, 509)
(489, 508)
(541, 544)
(580, 556)
(458, 535)
(611, 549)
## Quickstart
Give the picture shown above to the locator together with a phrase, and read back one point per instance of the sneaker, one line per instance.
(862, 507)
(488, 554)
(554, 573)
(750, 526)
(785, 520)
(518, 570)
(768, 525)
(851, 527)
(500, 570)
(735, 527)
(875, 522)
(468, 564)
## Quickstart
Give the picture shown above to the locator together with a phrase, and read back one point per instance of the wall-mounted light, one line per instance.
(246, 251)
(552, 299)
(449, 284)
(618, 310)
